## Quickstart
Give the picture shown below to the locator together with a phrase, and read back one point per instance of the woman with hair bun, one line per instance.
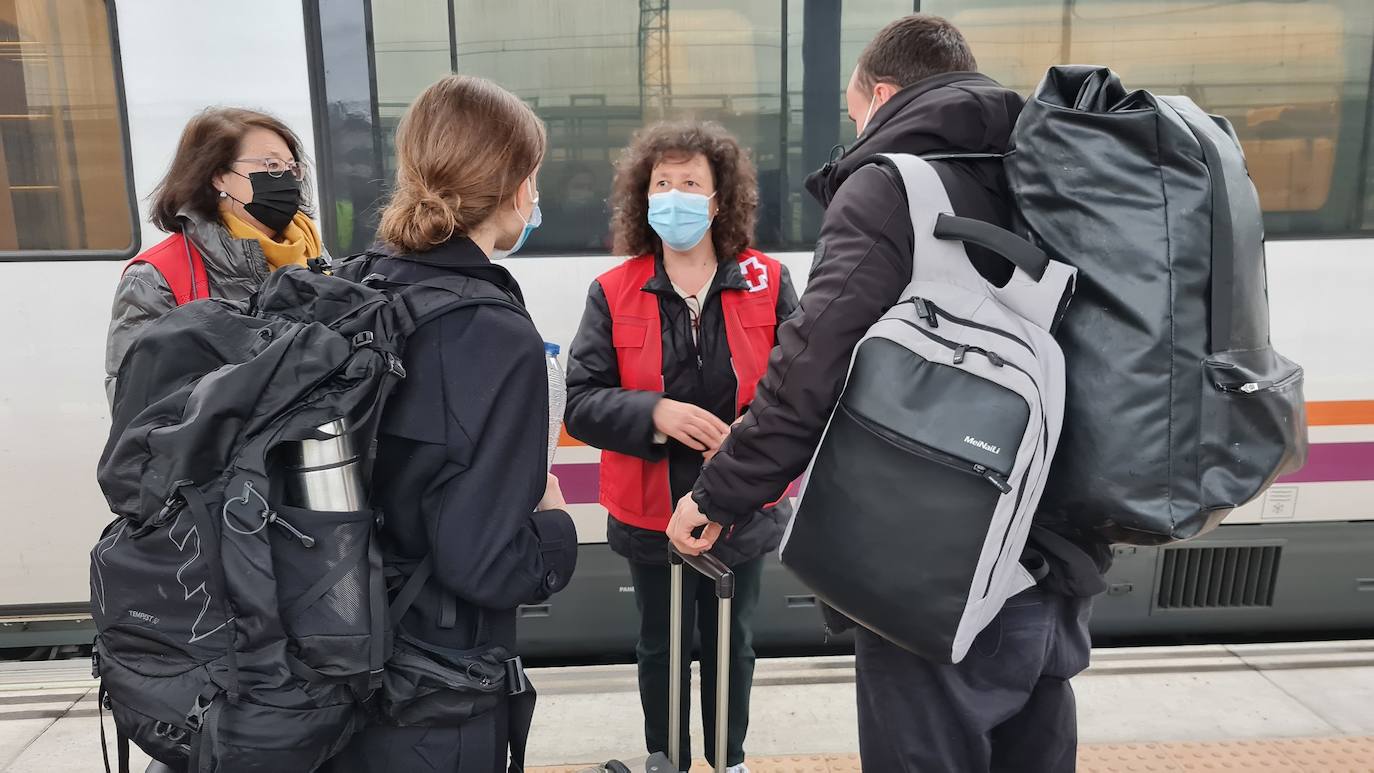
(463, 444)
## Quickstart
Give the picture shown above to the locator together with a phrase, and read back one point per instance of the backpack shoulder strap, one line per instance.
(1039, 289)
(181, 265)
(432, 298)
(935, 260)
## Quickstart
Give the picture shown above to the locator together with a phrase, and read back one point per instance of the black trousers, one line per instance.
(652, 588)
(477, 746)
(1006, 708)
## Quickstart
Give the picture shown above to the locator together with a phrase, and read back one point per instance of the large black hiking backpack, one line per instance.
(235, 632)
(1177, 408)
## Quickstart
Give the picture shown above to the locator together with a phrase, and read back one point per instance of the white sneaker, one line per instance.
(740, 768)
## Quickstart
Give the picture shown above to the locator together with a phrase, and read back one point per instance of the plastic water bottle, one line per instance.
(558, 397)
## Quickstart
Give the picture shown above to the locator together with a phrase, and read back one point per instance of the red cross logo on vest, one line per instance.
(755, 274)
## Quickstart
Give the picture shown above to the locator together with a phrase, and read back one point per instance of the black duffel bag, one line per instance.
(1178, 410)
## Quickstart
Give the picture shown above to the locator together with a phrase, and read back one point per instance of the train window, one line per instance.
(597, 71)
(64, 179)
(1292, 77)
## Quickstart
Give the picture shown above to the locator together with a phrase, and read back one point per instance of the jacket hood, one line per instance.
(958, 112)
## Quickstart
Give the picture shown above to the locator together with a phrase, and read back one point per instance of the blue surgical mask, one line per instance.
(680, 219)
(536, 219)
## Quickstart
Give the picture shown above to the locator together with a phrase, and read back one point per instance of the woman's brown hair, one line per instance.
(209, 144)
(463, 148)
(737, 187)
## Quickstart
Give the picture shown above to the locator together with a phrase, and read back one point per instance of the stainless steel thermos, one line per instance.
(325, 474)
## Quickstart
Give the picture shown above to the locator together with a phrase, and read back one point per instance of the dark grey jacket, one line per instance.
(236, 269)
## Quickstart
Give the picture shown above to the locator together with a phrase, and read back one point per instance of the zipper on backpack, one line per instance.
(1263, 385)
(962, 349)
(926, 311)
(931, 313)
(996, 479)
(929, 453)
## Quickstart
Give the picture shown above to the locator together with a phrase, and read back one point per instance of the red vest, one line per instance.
(181, 266)
(636, 491)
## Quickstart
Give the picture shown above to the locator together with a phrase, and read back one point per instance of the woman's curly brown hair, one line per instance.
(737, 186)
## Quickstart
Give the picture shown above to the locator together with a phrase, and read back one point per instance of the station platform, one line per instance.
(1296, 708)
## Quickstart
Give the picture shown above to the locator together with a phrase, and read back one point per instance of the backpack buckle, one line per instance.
(516, 681)
(394, 363)
(362, 339)
(195, 718)
(170, 507)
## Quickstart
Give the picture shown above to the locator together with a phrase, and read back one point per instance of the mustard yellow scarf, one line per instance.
(299, 242)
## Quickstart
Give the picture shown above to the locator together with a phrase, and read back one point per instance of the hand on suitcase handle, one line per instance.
(709, 566)
(687, 519)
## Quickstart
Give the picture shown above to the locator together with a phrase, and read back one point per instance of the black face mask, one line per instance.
(276, 200)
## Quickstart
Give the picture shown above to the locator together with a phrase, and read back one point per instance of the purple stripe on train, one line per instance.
(581, 482)
(1326, 463)
(1335, 462)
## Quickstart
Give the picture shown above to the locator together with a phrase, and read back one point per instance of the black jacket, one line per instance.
(862, 262)
(606, 416)
(461, 462)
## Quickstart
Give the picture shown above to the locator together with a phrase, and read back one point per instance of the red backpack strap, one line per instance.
(181, 265)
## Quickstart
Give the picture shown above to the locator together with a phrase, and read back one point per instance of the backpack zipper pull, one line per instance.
(995, 359)
(993, 478)
(925, 311)
(959, 352)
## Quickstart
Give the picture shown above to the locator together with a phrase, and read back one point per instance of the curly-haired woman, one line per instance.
(670, 349)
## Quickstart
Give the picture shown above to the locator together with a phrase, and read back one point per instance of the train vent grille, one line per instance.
(1218, 577)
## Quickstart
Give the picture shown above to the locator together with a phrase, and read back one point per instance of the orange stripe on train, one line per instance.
(1330, 413)
(1340, 412)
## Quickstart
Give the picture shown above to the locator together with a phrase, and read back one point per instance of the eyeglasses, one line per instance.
(275, 166)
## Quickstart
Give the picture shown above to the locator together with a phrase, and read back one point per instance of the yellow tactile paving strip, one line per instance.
(1297, 755)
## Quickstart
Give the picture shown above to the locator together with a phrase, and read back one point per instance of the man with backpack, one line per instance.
(1007, 705)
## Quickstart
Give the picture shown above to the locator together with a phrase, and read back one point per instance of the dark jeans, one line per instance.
(1006, 708)
(476, 746)
(698, 612)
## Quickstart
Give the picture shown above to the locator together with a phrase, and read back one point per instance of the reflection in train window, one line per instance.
(597, 71)
(1292, 77)
(64, 184)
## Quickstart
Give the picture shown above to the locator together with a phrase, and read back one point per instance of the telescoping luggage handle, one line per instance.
(720, 574)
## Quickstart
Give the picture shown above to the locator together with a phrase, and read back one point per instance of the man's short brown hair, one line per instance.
(912, 49)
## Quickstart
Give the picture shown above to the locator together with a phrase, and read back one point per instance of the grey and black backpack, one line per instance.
(918, 502)
(237, 631)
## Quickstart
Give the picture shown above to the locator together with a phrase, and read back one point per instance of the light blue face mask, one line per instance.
(536, 219)
(680, 219)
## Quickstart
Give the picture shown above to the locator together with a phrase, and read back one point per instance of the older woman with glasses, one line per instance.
(671, 347)
(236, 204)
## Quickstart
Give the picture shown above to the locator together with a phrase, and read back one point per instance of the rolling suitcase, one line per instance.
(711, 567)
